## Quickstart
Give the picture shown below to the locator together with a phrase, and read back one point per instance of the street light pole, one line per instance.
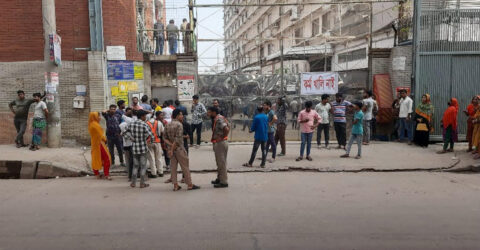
(54, 128)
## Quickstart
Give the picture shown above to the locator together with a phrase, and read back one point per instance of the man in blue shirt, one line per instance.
(260, 127)
(357, 131)
(272, 119)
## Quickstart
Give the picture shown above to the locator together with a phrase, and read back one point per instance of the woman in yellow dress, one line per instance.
(100, 154)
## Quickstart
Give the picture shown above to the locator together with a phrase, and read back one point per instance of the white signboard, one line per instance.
(398, 63)
(115, 53)
(319, 83)
(186, 88)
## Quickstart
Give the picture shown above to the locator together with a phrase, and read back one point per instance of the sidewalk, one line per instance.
(379, 156)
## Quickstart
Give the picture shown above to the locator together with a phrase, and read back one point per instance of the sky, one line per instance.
(209, 26)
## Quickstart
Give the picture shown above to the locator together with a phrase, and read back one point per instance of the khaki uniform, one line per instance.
(174, 133)
(220, 147)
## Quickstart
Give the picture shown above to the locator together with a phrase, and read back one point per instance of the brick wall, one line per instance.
(119, 26)
(21, 38)
(401, 78)
(74, 28)
(29, 77)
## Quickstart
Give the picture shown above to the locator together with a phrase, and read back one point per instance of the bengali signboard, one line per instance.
(320, 83)
(186, 88)
(115, 53)
(120, 70)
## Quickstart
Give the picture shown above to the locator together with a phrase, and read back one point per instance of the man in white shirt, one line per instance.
(154, 155)
(323, 109)
(368, 104)
(405, 117)
(167, 111)
(127, 118)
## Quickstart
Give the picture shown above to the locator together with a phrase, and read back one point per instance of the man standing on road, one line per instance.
(308, 120)
(40, 115)
(182, 108)
(405, 117)
(295, 106)
(22, 106)
(272, 119)
(216, 104)
(220, 130)
(168, 111)
(260, 127)
(176, 151)
(339, 110)
(155, 106)
(127, 118)
(135, 105)
(121, 108)
(368, 105)
(155, 148)
(323, 109)
(281, 125)
(114, 137)
(198, 112)
(139, 132)
(145, 105)
(172, 35)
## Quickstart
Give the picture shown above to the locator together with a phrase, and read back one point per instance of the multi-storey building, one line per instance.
(87, 30)
(322, 37)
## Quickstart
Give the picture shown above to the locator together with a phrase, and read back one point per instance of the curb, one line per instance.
(34, 170)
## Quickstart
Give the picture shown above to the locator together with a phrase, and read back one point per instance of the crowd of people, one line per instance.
(155, 137)
(148, 134)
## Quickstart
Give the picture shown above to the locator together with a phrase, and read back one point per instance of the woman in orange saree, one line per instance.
(476, 130)
(100, 154)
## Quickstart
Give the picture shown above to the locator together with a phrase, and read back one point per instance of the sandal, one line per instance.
(177, 188)
(194, 187)
(299, 158)
(144, 185)
(132, 185)
(247, 165)
(442, 152)
(168, 181)
(358, 157)
(309, 158)
(108, 178)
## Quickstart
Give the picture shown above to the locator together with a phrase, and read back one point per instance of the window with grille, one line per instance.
(354, 55)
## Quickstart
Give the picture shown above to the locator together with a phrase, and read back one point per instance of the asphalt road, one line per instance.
(288, 210)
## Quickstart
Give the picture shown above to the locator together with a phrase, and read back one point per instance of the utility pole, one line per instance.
(282, 82)
(54, 128)
(370, 47)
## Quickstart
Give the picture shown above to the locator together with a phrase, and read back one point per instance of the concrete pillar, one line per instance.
(54, 124)
(97, 80)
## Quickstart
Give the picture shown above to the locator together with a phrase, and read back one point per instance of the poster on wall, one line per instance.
(55, 43)
(186, 88)
(319, 83)
(120, 70)
(138, 72)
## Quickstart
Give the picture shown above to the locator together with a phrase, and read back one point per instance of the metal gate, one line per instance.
(447, 55)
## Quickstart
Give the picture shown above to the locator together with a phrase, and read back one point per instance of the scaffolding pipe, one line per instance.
(292, 4)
